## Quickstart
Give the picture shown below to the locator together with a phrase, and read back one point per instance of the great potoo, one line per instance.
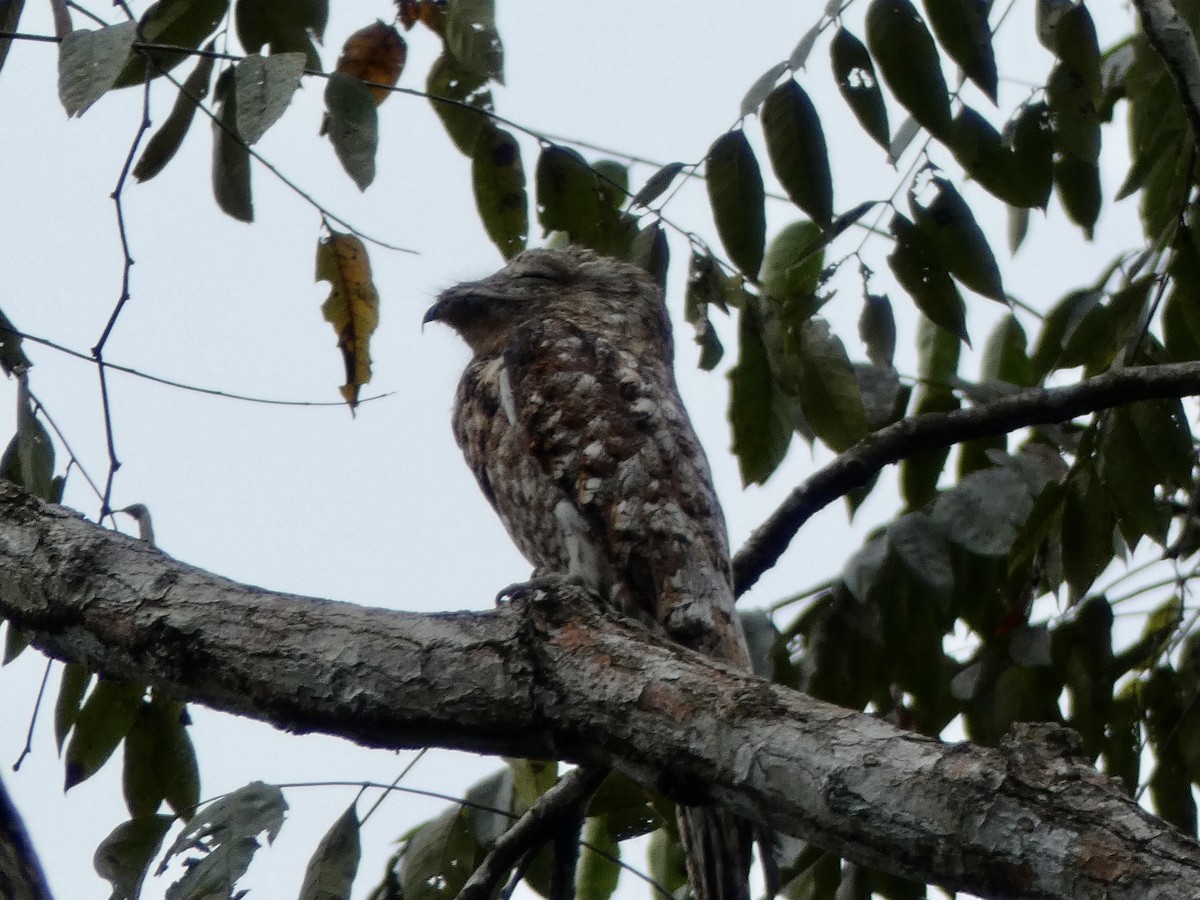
(570, 418)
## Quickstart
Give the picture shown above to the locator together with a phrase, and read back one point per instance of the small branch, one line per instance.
(858, 465)
(21, 875)
(1175, 43)
(552, 810)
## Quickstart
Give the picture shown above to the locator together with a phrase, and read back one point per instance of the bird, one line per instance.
(569, 416)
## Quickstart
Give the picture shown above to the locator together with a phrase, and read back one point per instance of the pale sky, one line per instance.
(380, 509)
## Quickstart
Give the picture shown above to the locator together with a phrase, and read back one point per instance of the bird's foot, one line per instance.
(544, 583)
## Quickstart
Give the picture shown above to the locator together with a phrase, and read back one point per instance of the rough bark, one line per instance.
(552, 677)
(21, 876)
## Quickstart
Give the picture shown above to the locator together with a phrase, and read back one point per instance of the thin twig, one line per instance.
(532, 830)
(1037, 406)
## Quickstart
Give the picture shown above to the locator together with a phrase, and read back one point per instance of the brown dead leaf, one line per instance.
(374, 54)
(352, 307)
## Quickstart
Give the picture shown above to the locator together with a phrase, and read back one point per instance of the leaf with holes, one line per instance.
(466, 102)
(855, 76)
(264, 86)
(916, 266)
(958, 240)
(472, 39)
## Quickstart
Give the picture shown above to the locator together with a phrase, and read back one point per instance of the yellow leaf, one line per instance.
(352, 307)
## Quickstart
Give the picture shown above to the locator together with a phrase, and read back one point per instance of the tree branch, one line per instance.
(539, 824)
(858, 465)
(1175, 43)
(560, 679)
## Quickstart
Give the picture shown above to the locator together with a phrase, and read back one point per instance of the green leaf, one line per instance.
(759, 412)
(89, 62)
(796, 147)
(1079, 189)
(264, 86)
(920, 472)
(439, 858)
(762, 86)
(1019, 176)
(983, 512)
(179, 23)
(224, 837)
(330, 873)
(877, 329)
(855, 76)
(828, 389)
(649, 250)
(958, 240)
(921, 274)
(71, 688)
(705, 287)
(159, 761)
(352, 126)
(467, 93)
(1087, 533)
(29, 458)
(915, 540)
(791, 269)
(656, 184)
(102, 723)
(231, 157)
(166, 141)
(287, 27)
(598, 872)
(909, 62)
(10, 17)
(1004, 357)
(962, 28)
(15, 641)
(12, 356)
(472, 39)
(667, 861)
(499, 180)
(124, 857)
(1073, 114)
(938, 355)
(624, 807)
(1122, 751)
(568, 195)
(735, 192)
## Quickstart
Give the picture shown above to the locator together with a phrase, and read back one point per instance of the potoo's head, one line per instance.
(600, 294)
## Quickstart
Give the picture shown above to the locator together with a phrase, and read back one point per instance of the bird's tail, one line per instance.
(717, 846)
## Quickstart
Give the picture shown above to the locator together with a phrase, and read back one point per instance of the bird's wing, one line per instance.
(607, 426)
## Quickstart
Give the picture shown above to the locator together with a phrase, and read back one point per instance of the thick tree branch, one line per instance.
(559, 679)
(858, 465)
(1175, 43)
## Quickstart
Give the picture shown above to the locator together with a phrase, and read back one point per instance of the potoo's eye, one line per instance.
(538, 275)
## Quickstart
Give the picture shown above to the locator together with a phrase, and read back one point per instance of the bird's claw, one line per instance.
(541, 584)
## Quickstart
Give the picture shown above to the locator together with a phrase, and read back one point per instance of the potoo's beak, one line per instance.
(459, 304)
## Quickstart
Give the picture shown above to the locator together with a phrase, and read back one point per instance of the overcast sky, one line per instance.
(380, 509)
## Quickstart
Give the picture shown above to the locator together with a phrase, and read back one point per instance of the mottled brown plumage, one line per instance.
(569, 416)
